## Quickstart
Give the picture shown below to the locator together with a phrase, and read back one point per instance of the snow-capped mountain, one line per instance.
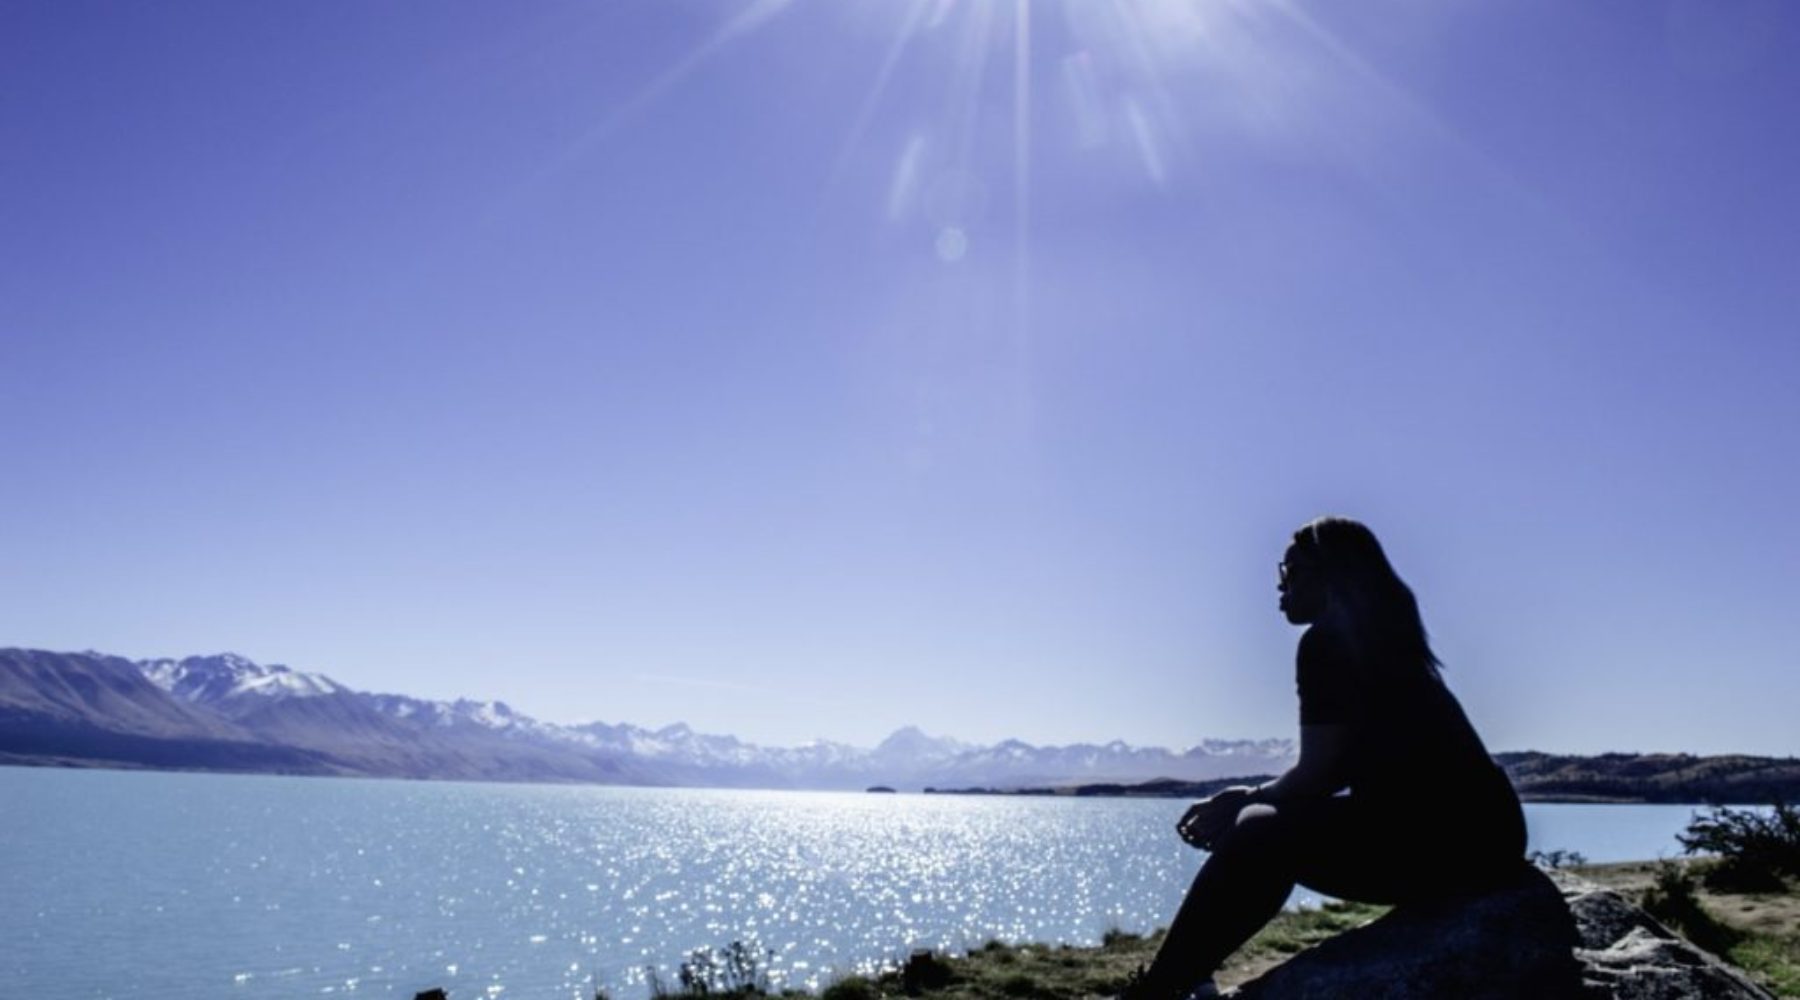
(911, 744)
(308, 721)
(211, 680)
(490, 716)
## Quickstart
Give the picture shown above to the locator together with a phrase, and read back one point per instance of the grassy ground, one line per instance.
(1757, 932)
(1009, 972)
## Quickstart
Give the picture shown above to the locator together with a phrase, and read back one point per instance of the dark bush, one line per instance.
(924, 970)
(1114, 938)
(850, 988)
(1757, 851)
(1672, 901)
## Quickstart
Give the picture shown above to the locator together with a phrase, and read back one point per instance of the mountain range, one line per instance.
(227, 713)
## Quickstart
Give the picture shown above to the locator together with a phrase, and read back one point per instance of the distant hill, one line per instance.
(228, 713)
(84, 708)
(1539, 777)
(1161, 788)
(1656, 777)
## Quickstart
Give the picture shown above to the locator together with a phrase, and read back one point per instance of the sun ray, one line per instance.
(1350, 59)
(752, 17)
(1136, 36)
(1021, 172)
(966, 82)
(1144, 135)
(940, 12)
(906, 178)
(1409, 104)
(953, 191)
(909, 28)
(757, 14)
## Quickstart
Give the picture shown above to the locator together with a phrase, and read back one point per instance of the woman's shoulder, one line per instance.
(1324, 662)
(1321, 643)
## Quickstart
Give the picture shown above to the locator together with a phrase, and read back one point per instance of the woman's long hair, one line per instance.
(1380, 612)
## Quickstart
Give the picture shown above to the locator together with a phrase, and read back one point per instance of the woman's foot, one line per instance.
(1138, 987)
(1206, 990)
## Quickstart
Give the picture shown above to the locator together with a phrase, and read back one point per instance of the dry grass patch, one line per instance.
(1758, 932)
(998, 971)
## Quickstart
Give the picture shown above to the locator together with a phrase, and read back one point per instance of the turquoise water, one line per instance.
(144, 885)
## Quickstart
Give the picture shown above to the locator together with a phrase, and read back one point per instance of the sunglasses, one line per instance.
(1284, 570)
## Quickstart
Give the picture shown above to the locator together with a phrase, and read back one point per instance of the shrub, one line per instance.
(1757, 851)
(1116, 938)
(924, 970)
(1019, 985)
(740, 970)
(1672, 900)
(850, 988)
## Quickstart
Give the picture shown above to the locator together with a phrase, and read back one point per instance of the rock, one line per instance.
(1625, 953)
(1543, 935)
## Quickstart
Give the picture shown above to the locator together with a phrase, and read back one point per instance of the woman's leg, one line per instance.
(1399, 852)
(1338, 847)
(1242, 886)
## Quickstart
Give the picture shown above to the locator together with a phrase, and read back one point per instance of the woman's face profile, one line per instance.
(1301, 586)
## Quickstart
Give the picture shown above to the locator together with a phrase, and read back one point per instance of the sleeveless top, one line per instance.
(1411, 747)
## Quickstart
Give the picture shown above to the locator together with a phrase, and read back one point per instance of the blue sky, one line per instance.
(806, 369)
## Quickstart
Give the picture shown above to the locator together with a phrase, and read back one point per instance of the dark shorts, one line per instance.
(1380, 852)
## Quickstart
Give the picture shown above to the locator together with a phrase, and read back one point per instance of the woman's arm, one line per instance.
(1323, 767)
(1320, 772)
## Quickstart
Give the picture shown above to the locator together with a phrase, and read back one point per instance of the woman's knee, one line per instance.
(1260, 829)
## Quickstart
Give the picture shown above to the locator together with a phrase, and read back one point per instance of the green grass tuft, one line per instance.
(1773, 961)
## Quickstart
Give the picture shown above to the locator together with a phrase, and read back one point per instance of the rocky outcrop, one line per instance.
(1543, 935)
(1625, 953)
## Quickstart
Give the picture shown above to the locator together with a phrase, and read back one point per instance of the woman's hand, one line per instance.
(1207, 821)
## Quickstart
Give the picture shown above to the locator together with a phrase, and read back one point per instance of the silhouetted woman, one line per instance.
(1428, 814)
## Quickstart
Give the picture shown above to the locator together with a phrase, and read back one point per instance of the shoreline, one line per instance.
(1105, 790)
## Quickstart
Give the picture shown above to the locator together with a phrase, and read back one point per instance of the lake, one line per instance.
(190, 886)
